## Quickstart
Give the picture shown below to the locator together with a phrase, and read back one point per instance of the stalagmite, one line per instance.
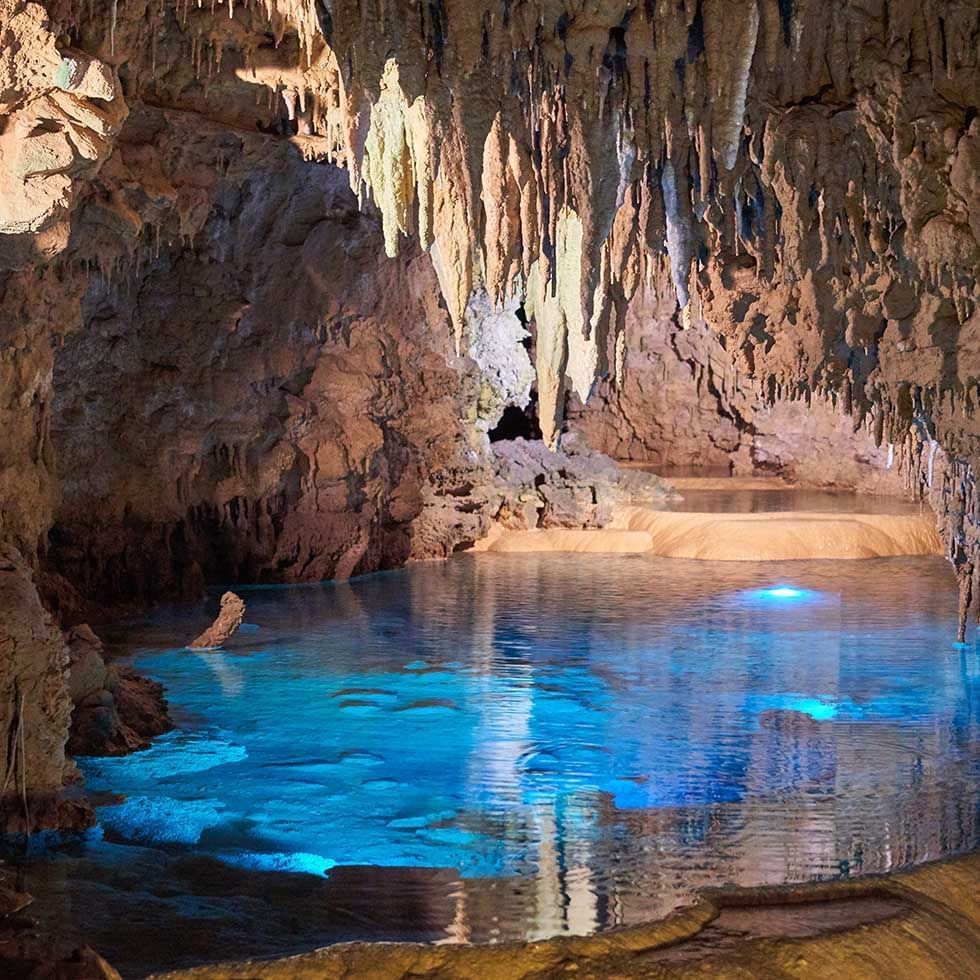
(230, 617)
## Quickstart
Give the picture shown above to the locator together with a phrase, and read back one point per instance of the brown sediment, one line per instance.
(682, 483)
(783, 536)
(735, 537)
(600, 541)
(916, 925)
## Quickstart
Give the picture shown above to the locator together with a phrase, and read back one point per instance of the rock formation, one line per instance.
(115, 711)
(34, 703)
(271, 273)
(230, 617)
(680, 402)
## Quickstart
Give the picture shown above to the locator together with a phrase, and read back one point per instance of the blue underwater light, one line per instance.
(817, 708)
(781, 595)
(783, 592)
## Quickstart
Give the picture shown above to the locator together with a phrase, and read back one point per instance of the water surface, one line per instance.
(769, 499)
(513, 746)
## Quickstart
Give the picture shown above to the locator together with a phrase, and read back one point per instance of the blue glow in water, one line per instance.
(161, 820)
(815, 708)
(783, 593)
(819, 708)
(602, 735)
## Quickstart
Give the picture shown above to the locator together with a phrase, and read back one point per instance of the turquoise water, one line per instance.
(506, 746)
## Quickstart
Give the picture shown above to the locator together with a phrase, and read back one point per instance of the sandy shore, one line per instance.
(682, 483)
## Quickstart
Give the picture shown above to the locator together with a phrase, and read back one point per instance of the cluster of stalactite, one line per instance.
(804, 174)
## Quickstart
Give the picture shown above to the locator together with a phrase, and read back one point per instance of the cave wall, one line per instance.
(680, 403)
(263, 397)
(35, 306)
(804, 174)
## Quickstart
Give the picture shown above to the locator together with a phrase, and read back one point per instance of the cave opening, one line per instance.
(518, 423)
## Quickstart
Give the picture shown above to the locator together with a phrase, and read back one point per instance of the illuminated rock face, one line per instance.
(291, 401)
(257, 379)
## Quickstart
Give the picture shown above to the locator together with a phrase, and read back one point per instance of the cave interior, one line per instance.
(304, 290)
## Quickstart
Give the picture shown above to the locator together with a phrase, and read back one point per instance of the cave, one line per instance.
(486, 487)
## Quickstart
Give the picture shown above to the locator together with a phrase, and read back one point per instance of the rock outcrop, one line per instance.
(680, 402)
(115, 710)
(34, 704)
(230, 617)
(313, 404)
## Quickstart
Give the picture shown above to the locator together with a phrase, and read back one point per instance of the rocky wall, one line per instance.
(260, 396)
(803, 173)
(679, 403)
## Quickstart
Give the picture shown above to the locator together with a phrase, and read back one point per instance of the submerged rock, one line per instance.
(230, 617)
(83, 964)
(12, 901)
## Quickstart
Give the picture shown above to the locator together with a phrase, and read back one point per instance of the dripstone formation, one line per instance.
(272, 273)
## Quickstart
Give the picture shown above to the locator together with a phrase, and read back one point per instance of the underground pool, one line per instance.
(518, 746)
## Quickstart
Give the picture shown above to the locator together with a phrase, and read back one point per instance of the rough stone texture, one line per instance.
(60, 110)
(230, 617)
(34, 706)
(115, 710)
(87, 671)
(288, 391)
(573, 488)
(676, 402)
(313, 422)
(679, 402)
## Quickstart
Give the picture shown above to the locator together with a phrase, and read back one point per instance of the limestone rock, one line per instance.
(567, 488)
(61, 113)
(87, 672)
(230, 617)
(115, 710)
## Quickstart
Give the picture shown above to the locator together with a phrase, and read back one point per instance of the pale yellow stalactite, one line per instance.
(387, 166)
(452, 229)
(551, 353)
(564, 347)
(501, 196)
(419, 146)
(731, 29)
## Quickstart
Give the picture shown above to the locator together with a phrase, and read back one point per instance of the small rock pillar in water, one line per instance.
(230, 617)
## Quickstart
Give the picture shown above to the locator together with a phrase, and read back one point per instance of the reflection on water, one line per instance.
(749, 501)
(520, 745)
